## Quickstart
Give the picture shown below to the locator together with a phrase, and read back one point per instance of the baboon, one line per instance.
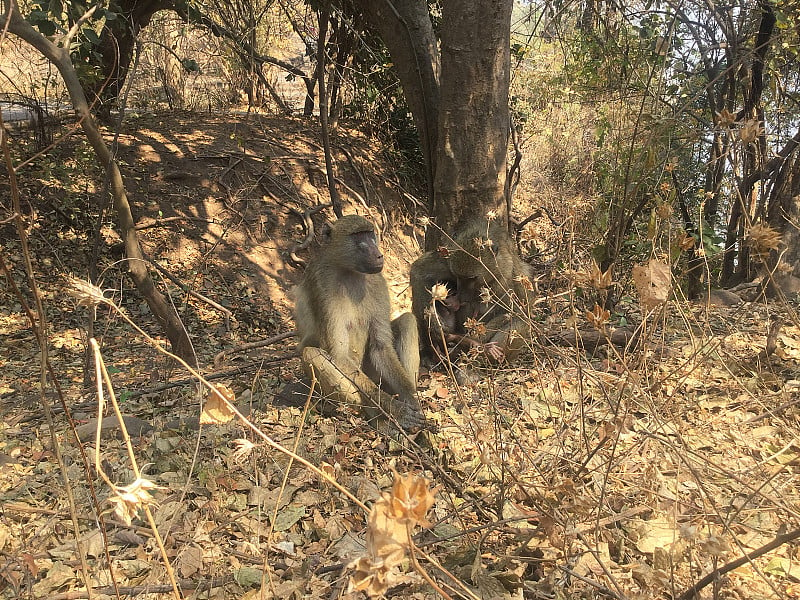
(483, 257)
(342, 311)
(441, 320)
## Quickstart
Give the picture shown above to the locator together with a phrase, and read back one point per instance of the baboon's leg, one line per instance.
(510, 333)
(406, 343)
(347, 386)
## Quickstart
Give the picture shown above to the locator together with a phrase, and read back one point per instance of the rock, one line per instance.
(110, 428)
(722, 298)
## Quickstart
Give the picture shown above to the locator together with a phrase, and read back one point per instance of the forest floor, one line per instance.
(568, 473)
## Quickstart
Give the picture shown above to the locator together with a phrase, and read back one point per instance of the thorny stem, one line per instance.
(40, 330)
(100, 369)
(264, 437)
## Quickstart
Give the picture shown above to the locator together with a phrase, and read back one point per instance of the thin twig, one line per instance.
(219, 357)
(213, 376)
(185, 288)
(138, 590)
(160, 222)
(779, 540)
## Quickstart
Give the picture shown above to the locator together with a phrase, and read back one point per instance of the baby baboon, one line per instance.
(483, 257)
(428, 270)
(441, 319)
(342, 310)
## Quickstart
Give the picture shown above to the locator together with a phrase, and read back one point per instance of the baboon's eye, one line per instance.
(365, 238)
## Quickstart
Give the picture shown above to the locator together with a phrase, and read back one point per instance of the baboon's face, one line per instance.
(469, 288)
(452, 302)
(367, 255)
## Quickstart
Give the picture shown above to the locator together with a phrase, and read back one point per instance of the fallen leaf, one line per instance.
(217, 408)
(189, 560)
(289, 516)
(652, 283)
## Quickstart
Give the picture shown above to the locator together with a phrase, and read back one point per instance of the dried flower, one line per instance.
(725, 118)
(751, 130)
(439, 292)
(86, 293)
(598, 317)
(130, 498)
(762, 239)
(242, 449)
(389, 533)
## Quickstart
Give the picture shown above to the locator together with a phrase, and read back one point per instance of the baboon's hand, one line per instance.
(409, 414)
(494, 350)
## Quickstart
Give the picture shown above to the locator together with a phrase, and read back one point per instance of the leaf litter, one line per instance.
(565, 474)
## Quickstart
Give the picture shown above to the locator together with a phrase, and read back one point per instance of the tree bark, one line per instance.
(463, 121)
(59, 56)
(473, 116)
(117, 42)
(736, 267)
(405, 27)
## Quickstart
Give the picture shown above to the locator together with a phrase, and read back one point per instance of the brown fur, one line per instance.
(441, 323)
(343, 307)
(484, 256)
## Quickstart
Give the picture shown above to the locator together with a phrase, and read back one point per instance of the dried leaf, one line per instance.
(58, 576)
(652, 282)
(247, 577)
(488, 585)
(217, 408)
(189, 560)
(288, 517)
(686, 242)
(659, 532)
(130, 498)
(94, 544)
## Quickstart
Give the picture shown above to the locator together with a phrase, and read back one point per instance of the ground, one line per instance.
(624, 473)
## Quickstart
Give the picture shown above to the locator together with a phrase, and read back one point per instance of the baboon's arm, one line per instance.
(351, 386)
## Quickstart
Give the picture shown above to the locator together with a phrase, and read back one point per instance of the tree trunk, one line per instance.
(464, 122)
(117, 41)
(783, 214)
(736, 267)
(406, 29)
(473, 115)
(59, 56)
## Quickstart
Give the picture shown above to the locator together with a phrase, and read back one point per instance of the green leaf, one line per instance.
(247, 577)
(289, 516)
(91, 35)
(190, 65)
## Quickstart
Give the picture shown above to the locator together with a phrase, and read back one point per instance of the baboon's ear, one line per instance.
(325, 232)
